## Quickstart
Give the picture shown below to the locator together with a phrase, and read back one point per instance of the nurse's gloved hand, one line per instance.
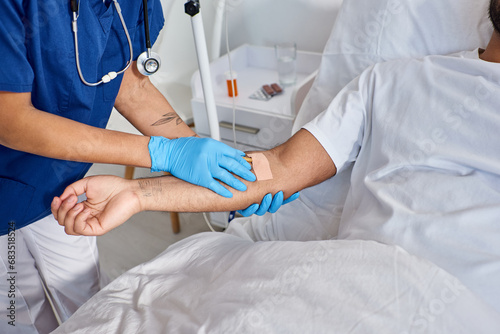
(201, 161)
(268, 204)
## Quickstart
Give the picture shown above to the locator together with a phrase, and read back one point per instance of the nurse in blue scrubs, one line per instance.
(52, 127)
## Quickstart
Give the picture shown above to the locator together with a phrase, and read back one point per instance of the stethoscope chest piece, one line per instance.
(148, 62)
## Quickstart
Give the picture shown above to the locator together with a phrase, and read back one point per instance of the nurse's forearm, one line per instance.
(25, 128)
(147, 109)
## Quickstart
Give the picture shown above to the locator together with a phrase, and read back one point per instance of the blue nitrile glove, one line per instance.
(268, 204)
(200, 161)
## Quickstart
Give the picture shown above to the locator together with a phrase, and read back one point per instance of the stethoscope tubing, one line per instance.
(111, 75)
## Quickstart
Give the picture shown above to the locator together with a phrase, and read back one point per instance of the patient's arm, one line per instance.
(299, 163)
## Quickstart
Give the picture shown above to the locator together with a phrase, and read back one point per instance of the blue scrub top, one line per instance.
(38, 56)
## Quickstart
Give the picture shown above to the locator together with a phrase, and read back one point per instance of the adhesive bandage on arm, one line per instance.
(261, 166)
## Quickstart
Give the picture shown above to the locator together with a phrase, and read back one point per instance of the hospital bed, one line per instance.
(286, 273)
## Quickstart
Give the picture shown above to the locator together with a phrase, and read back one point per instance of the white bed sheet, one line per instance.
(220, 283)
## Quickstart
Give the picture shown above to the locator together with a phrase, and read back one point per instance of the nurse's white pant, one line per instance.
(48, 262)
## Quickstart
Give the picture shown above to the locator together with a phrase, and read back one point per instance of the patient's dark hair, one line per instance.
(495, 14)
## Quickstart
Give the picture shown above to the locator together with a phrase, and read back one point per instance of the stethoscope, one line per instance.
(148, 62)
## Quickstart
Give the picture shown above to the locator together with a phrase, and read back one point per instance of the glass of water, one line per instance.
(286, 55)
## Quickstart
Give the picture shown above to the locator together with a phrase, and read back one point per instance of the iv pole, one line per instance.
(192, 8)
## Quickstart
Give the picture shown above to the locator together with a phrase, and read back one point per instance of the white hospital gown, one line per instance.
(425, 138)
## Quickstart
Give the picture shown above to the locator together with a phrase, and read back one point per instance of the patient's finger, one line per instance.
(81, 222)
(69, 220)
(54, 207)
(65, 207)
(78, 188)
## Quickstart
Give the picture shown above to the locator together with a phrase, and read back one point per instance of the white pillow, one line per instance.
(370, 31)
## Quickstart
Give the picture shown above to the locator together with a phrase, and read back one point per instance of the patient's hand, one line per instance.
(110, 202)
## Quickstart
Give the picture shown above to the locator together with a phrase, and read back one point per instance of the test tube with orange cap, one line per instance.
(232, 87)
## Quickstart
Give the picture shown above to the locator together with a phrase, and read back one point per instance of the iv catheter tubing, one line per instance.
(77, 54)
(206, 78)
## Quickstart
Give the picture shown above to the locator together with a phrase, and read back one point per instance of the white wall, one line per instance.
(266, 22)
